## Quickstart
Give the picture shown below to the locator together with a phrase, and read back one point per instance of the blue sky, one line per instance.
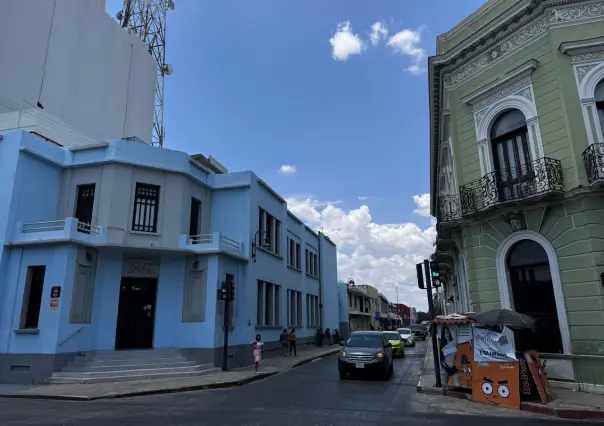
(256, 85)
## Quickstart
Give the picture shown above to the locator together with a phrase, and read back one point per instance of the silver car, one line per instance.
(407, 336)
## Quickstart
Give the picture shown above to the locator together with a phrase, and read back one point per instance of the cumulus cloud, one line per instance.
(345, 43)
(423, 205)
(288, 169)
(406, 42)
(379, 32)
(383, 255)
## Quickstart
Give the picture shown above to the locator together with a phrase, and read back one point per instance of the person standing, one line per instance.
(257, 345)
(292, 342)
(328, 336)
(284, 339)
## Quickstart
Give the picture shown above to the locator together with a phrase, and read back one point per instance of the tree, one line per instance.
(421, 316)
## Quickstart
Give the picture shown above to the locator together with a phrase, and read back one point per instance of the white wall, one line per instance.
(90, 59)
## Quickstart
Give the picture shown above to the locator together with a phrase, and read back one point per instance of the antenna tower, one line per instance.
(147, 19)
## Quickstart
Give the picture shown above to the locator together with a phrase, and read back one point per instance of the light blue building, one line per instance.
(124, 246)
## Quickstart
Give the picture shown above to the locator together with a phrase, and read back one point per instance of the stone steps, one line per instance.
(122, 366)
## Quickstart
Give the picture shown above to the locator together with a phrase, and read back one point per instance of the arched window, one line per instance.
(533, 295)
(510, 147)
(599, 98)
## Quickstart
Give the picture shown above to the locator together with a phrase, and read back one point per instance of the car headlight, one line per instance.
(342, 353)
(379, 355)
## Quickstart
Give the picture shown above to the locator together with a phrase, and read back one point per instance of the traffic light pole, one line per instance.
(432, 328)
(225, 350)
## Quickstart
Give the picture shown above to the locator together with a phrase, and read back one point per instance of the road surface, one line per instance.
(311, 395)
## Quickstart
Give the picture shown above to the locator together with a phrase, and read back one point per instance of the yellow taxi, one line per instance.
(395, 339)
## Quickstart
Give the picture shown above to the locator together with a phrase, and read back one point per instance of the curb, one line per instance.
(191, 388)
(309, 360)
(533, 407)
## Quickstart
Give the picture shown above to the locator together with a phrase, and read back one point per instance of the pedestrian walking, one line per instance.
(292, 342)
(328, 336)
(257, 345)
(284, 338)
(319, 338)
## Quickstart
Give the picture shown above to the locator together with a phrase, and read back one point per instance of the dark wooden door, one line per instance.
(512, 163)
(136, 313)
(85, 206)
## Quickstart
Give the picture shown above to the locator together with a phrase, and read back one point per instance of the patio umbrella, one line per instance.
(505, 318)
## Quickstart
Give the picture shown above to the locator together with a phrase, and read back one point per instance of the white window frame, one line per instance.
(588, 75)
(295, 262)
(268, 220)
(312, 310)
(294, 308)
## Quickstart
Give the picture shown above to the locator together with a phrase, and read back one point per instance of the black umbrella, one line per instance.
(505, 318)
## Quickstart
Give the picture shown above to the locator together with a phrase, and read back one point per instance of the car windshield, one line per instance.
(365, 342)
(392, 336)
(418, 327)
(404, 331)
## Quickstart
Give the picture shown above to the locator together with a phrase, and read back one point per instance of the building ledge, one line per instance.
(27, 331)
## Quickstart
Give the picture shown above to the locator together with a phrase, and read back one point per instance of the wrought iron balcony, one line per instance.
(535, 179)
(448, 208)
(593, 159)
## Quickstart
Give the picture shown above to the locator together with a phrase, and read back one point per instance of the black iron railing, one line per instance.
(593, 159)
(532, 179)
(448, 208)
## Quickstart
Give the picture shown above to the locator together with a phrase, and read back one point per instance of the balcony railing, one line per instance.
(448, 208)
(59, 230)
(540, 177)
(211, 243)
(593, 159)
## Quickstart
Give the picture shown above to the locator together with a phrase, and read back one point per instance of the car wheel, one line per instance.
(342, 374)
(391, 370)
(403, 354)
(413, 345)
(386, 373)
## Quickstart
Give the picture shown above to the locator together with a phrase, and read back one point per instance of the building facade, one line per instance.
(362, 306)
(122, 245)
(516, 155)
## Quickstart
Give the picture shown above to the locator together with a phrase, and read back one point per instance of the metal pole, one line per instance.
(225, 350)
(432, 329)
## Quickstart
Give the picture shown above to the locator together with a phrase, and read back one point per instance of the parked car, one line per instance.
(407, 336)
(366, 352)
(398, 345)
(419, 331)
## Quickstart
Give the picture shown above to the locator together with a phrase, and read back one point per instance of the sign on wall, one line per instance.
(54, 303)
(55, 292)
(490, 346)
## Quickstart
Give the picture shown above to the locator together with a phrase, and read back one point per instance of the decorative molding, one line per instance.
(507, 46)
(521, 73)
(516, 221)
(577, 13)
(581, 71)
(583, 50)
(520, 88)
(588, 57)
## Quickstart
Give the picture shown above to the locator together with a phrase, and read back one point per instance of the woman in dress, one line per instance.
(257, 345)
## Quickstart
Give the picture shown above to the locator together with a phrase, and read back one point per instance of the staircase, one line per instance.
(124, 366)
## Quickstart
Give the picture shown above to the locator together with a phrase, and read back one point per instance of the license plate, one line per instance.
(360, 365)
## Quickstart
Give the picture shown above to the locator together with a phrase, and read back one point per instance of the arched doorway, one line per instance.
(511, 154)
(533, 295)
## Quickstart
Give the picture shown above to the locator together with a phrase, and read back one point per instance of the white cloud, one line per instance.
(407, 43)
(345, 43)
(367, 198)
(288, 169)
(423, 204)
(379, 32)
(383, 255)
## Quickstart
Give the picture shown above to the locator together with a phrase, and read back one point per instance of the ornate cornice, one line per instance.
(588, 57)
(519, 88)
(525, 33)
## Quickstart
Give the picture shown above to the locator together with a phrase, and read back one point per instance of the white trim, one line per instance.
(586, 86)
(504, 283)
(484, 118)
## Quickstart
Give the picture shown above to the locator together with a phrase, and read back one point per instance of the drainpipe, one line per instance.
(320, 281)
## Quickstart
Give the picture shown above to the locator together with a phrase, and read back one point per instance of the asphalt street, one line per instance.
(311, 395)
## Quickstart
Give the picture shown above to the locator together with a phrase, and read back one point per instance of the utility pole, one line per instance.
(432, 316)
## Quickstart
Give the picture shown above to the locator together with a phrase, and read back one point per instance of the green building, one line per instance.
(517, 174)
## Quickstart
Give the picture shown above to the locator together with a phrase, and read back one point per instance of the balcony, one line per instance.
(448, 208)
(593, 159)
(212, 243)
(69, 229)
(534, 180)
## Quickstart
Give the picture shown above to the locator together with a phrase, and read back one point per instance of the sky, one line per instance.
(327, 101)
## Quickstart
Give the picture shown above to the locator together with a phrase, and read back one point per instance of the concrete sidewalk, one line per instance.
(567, 404)
(235, 377)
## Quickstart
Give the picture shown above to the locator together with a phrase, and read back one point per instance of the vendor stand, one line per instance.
(477, 356)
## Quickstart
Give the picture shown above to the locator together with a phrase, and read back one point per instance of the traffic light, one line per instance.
(231, 291)
(223, 292)
(420, 275)
(436, 282)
